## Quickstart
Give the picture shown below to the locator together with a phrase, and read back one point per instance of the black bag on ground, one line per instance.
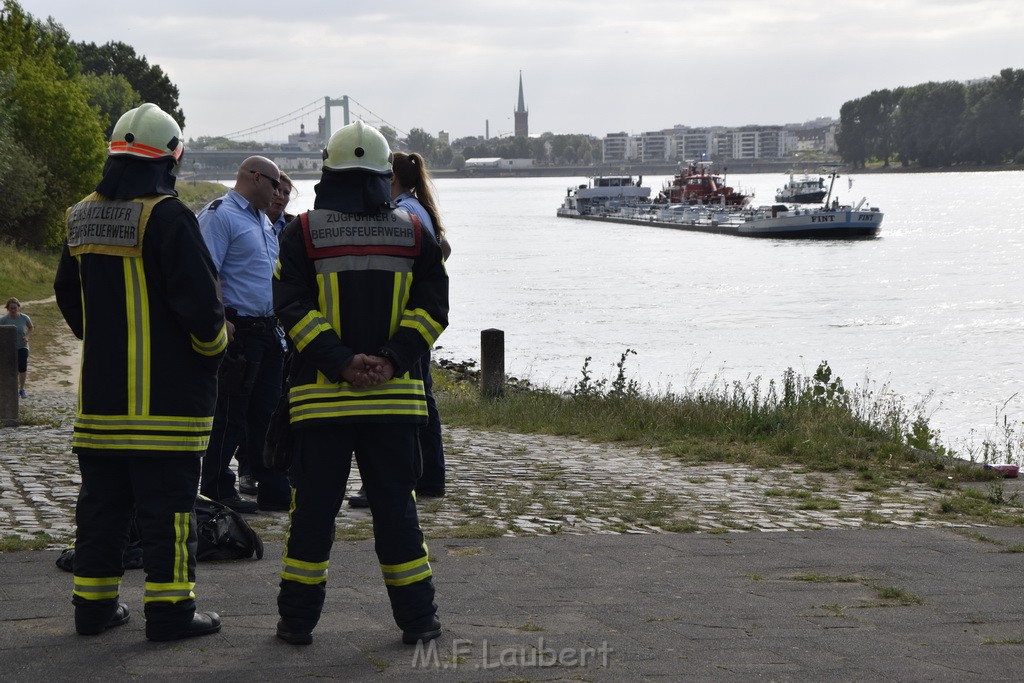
(132, 554)
(223, 533)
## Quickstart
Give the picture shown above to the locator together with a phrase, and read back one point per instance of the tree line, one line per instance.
(935, 125)
(547, 149)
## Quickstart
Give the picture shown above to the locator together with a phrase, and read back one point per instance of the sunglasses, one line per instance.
(275, 183)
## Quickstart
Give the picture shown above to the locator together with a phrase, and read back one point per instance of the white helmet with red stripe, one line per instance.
(147, 132)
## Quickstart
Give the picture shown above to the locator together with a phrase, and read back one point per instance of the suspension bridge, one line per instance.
(317, 112)
(294, 140)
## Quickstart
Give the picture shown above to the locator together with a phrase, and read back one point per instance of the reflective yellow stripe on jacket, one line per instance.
(149, 432)
(213, 347)
(399, 396)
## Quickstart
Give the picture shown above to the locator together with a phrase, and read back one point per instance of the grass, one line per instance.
(26, 274)
(812, 422)
(40, 541)
(807, 425)
(197, 194)
(889, 595)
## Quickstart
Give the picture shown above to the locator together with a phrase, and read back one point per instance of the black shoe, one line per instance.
(359, 500)
(247, 484)
(293, 637)
(203, 624)
(239, 504)
(427, 634)
(430, 492)
(120, 617)
(274, 506)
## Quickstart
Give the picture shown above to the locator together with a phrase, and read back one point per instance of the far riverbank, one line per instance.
(218, 170)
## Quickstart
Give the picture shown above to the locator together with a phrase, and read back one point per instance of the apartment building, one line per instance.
(747, 142)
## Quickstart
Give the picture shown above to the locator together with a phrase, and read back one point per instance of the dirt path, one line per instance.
(55, 352)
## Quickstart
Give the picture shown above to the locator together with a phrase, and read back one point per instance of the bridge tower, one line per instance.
(328, 103)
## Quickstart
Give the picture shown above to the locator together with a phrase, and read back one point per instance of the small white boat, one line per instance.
(806, 190)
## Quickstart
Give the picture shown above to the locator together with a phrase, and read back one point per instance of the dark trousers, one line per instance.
(431, 443)
(241, 418)
(162, 491)
(389, 466)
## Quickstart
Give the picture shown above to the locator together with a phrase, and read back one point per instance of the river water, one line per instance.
(932, 308)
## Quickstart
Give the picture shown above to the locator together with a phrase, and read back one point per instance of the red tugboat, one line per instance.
(695, 184)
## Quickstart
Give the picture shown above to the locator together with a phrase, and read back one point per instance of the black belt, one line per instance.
(256, 324)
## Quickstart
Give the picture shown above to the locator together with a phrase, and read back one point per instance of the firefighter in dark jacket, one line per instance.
(136, 283)
(362, 293)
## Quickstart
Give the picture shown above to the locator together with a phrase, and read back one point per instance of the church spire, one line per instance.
(522, 126)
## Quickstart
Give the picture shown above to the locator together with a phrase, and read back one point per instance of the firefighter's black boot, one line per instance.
(93, 617)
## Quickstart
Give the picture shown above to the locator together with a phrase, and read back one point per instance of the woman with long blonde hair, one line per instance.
(413, 191)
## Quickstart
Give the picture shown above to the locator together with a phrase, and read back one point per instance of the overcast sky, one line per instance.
(588, 66)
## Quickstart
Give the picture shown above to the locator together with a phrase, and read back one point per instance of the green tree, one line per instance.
(222, 143)
(876, 117)
(570, 155)
(928, 123)
(149, 81)
(851, 140)
(24, 37)
(390, 134)
(423, 142)
(444, 156)
(540, 148)
(50, 118)
(993, 127)
(22, 177)
(110, 96)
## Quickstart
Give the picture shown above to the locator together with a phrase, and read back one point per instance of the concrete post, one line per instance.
(492, 363)
(9, 375)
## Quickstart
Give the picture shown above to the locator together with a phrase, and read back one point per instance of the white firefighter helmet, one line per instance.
(358, 145)
(147, 132)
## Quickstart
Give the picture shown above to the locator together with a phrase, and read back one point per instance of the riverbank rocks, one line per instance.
(509, 485)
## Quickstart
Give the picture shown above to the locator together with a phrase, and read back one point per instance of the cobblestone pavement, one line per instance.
(511, 485)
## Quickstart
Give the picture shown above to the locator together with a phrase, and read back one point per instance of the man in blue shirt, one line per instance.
(244, 250)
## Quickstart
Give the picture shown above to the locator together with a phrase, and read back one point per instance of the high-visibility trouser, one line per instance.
(389, 465)
(161, 489)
